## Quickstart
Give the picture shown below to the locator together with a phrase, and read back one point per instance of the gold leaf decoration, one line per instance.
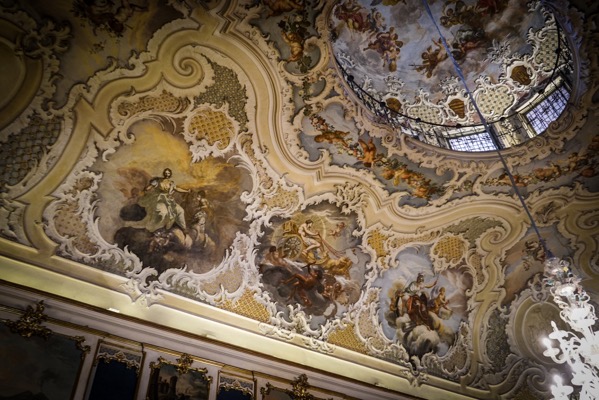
(30, 322)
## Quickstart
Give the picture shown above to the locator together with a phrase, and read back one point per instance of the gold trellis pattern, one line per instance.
(232, 279)
(24, 150)
(283, 199)
(368, 330)
(426, 113)
(377, 240)
(451, 248)
(458, 359)
(247, 306)
(348, 339)
(546, 54)
(365, 326)
(495, 100)
(212, 126)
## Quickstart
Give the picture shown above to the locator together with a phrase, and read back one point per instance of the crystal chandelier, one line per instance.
(579, 349)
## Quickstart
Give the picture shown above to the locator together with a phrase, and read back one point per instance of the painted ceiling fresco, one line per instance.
(505, 50)
(207, 153)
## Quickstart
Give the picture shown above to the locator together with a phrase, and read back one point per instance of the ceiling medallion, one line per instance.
(404, 66)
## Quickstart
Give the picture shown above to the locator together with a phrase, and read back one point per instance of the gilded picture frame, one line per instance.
(178, 380)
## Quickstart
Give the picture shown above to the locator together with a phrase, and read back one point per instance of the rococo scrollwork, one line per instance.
(231, 161)
(30, 323)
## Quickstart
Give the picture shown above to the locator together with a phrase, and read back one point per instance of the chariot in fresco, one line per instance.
(302, 243)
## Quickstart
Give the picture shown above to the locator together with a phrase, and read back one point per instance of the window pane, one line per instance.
(477, 142)
(548, 110)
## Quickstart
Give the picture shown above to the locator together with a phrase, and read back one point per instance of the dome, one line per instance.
(416, 66)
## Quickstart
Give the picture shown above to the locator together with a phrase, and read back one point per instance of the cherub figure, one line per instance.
(368, 155)
(328, 133)
(440, 302)
(376, 21)
(332, 137)
(533, 252)
(353, 14)
(336, 232)
(278, 7)
(294, 32)
(388, 45)
(431, 58)
(200, 218)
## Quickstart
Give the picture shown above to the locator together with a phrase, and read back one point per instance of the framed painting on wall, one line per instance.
(116, 372)
(235, 384)
(174, 381)
(274, 393)
(233, 394)
(38, 363)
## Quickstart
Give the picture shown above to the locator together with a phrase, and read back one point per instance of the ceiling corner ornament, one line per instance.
(30, 323)
(579, 347)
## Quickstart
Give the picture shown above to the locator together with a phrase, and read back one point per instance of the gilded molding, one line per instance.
(30, 323)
